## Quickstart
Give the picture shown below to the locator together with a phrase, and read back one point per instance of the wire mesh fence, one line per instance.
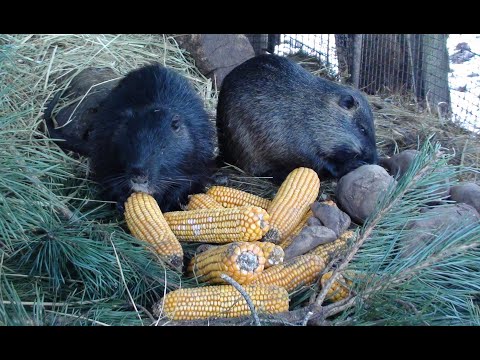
(464, 79)
(415, 68)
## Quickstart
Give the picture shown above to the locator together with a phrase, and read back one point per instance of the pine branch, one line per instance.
(446, 268)
(417, 188)
(247, 298)
(366, 231)
(311, 314)
(295, 317)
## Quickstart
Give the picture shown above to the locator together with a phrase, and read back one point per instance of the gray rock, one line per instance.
(359, 191)
(424, 231)
(463, 46)
(468, 193)
(309, 238)
(217, 54)
(313, 221)
(332, 217)
(461, 56)
(398, 164)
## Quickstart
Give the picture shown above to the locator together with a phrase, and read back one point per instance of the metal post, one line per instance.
(357, 59)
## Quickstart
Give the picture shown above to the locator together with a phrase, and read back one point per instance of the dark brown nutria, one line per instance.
(274, 116)
(150, 134)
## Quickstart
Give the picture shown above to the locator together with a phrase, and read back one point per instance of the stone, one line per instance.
(468, 193)
(398, 164)
(217, 54)
(424, 231)
(461, 56)
(463, 46)
(359, 191)
(331, 216)
(313, 221)
(308, 239)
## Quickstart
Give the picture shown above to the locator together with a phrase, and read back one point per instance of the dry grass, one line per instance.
(34, 64)
(399, 128)
(41, 61)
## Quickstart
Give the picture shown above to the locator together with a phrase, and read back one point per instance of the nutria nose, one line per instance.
(140, 179)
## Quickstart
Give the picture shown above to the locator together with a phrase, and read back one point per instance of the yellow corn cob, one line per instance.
(292, 201)
(224, 225)
(298, 271)
(288, 240)
(202, 201)
(220, 301)
(242, 261)
(230, 197)
(329, 250)
(146, 222)
(273, 253)
(339, 289)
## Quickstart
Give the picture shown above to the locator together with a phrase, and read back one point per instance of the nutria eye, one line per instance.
(176, 123)
(347, 102)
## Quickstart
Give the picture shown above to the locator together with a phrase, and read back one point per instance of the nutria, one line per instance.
(274, 116)
(151, 133)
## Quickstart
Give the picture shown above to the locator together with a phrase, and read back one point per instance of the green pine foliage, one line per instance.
(64, 259)
(439, 283)
(67, 259)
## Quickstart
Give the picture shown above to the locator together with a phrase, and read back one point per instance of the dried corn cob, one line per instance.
(273, 253)
(339, 289)
(202, 201)
(220, 301)
(292, 202)
(242, 261)
(146, 222)
(329, 250)
(230, 197)
(225, 225)
(289, 239)
(298, 271)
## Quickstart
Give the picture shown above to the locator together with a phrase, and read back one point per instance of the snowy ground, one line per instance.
(464, 81)
(464, 78)
(322, 45)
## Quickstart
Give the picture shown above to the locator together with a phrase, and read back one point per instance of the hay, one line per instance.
(45, 64)
(36, 67)
(314, 65)
(400, 128)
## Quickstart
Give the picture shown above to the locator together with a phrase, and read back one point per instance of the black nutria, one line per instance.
(273, 116)
(151, 133)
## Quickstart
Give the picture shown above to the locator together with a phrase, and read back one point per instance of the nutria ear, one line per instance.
(347, 102)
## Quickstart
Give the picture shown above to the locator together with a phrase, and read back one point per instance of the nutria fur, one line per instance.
(274, 116)
(151, 134)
